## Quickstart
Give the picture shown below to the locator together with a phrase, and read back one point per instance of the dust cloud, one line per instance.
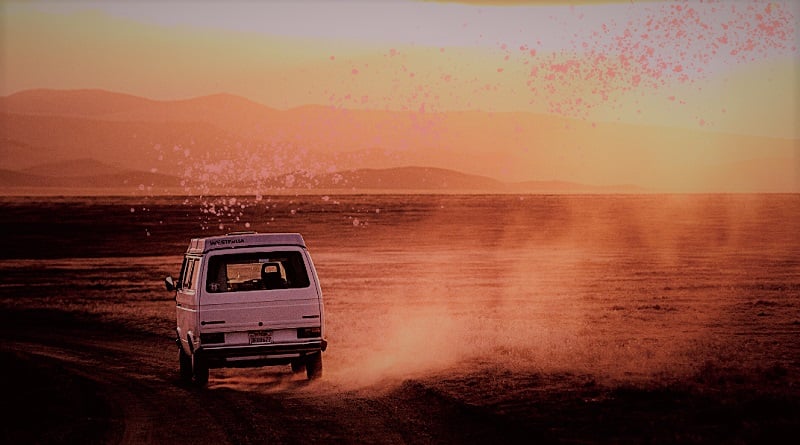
(623, 289)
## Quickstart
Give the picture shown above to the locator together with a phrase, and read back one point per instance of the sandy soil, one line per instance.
(80, 380)
(599, 334)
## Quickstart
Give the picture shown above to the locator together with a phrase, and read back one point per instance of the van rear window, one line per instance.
(256, 271)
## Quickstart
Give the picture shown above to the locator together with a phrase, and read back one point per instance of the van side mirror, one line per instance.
(170, 283)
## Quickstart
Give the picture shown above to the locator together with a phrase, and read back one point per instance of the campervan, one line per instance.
(248, 299)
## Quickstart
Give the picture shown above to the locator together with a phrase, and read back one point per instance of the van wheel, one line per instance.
(185, 362)
(314, 366)
(199, 370)
(298, 366)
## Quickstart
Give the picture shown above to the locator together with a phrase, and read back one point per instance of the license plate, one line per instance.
(260, 337)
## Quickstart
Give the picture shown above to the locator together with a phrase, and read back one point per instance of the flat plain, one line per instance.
(451, 319)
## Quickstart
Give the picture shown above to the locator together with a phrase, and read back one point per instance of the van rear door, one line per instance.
(262, 296)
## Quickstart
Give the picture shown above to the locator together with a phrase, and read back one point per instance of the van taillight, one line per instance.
(216, 337)
(309, 332)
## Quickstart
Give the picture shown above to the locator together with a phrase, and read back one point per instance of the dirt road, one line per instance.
(82, 381)
(79, 380)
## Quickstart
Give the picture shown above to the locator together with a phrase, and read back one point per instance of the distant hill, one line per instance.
(84, 174)
(13, 179)
(107, 105)
(224, 139)
(88, 175)
(72, 102)
(73, 169)
(399, 178)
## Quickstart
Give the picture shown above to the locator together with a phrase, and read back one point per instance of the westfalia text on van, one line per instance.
(245, 300)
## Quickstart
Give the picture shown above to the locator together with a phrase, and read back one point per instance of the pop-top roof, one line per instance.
(239, 240)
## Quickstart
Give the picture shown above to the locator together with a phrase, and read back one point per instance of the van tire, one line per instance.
(185, 363)
(314, 366)
(199, 370)
(298, 366)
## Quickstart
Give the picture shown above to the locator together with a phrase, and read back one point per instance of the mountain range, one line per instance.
(99, 140)
(90, 177)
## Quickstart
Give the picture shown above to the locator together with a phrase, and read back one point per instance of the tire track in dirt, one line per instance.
(144, 407)
(133, 375)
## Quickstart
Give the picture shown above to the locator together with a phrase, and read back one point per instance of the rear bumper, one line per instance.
(259, 355)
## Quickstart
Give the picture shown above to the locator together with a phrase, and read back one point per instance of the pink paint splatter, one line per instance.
(662, 43)
(656, 46)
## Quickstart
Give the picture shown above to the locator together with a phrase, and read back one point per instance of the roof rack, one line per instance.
(241, 240)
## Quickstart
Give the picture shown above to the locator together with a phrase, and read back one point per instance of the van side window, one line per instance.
(190, 274)
(256, 271)
(182, 275)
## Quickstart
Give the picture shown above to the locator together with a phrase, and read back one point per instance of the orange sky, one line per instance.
(727, 67)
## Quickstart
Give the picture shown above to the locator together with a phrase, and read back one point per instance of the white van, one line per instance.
(248, 299)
